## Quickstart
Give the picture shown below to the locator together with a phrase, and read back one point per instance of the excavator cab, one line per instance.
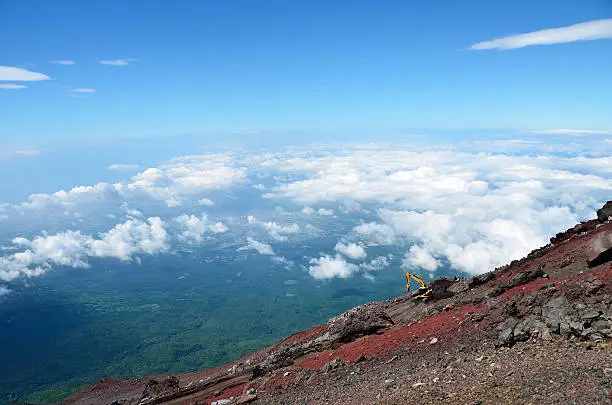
(423, 292)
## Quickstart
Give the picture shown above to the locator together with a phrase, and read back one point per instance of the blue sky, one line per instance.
(225, 66)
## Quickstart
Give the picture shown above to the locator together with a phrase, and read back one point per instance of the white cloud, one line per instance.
(377, 264)
(117, 62)
(8, 154)
(131, 212)
(376, 234)
(259, 187)
(80, 195)
(369, 277)
(83, 90)
(283, 261)
(193, 228)
(130, 238)
(278, 232)
(472, 211)
(420, 258)
(586, 31)
(206, 201)
(218, 227)
(15, 74)
(4, 290)
(351, 250)
(64, 62)
(11, 86)
(417, 225)
(307, 210)
(123, 166)
(570, 132)
(72, 248)
(325, 212)
(327, 267)
(468, 211)
(185, 176)
(260, 247)
(172, 182)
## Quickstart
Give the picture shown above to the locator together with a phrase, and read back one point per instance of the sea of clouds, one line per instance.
(466, 211)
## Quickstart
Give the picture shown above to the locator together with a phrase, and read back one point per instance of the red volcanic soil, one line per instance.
(392, 338)
(538, 330)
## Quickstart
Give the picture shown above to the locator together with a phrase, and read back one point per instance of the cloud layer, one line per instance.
(571, 132)
(586, 31)
(471, 212)
(440, 208)
(73, 248)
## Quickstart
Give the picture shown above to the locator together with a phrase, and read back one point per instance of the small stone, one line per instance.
(389, 382)
(286, 373)
(360, 358)
(222, 402)
(251, 391)
(379, 395)
(421, 341)
(437, 379)
(416, 385)
(480, 358)
(433, 341)
(391, 359)
(245, 399)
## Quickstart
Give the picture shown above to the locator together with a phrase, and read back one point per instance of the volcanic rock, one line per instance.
(605, 212)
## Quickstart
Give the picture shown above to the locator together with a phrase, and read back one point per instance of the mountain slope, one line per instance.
(538, 330)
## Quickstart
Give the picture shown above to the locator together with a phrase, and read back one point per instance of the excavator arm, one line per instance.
(423, 292)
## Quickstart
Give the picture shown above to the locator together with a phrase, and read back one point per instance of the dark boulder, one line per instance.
(527, 276)
(604, 212)
(155, 388)
(440, 288)
(359, 321)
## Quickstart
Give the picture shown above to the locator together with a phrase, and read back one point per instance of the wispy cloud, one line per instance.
(11, 86)
(18, 153)
(64, 62)
(15, 74)
(586, 31)
(260, 247)
(122, 166)
(117, 62)
(571, 132)
(4, 290)
(83, 90)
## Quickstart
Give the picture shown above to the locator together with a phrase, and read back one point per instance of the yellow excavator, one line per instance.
(423, 292)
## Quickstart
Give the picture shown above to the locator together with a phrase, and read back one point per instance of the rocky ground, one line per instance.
(538, 330)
